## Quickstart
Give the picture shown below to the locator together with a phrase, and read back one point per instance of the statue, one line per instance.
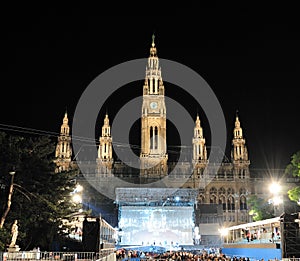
(14, 232)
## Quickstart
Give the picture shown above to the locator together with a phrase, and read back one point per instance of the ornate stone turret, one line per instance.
(199, 153)
(153, 134)
(105, 159)
(153, 80)
(239, 153)
(63, 151)
(199, 147)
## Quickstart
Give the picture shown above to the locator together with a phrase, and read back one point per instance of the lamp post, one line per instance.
(77, 194)
(224, 234)
(275, 189)
(11, 189)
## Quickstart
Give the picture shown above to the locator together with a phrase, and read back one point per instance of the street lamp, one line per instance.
(11, 189)
(78, 188)
(77, 199)
(275, 189)
(77, 194)
(223, 233)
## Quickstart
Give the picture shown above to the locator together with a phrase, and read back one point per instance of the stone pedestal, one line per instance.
(13, 253)
(13, 249)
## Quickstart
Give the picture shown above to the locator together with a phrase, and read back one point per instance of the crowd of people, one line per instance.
(203, 255)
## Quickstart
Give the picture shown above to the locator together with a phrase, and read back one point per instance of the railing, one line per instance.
(254, 241)
(57, 256)
(266, 237)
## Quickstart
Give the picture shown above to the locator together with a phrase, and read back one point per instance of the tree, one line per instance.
(41, 199)
(294, 169)
(260, 209)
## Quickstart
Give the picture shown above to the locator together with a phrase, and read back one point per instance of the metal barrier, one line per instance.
(57, 256)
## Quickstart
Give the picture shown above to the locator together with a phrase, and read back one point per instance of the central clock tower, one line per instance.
(153, 155)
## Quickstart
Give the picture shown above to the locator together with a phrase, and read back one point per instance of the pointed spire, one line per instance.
(198, 121)
(65, 129)
(199, 148)
(63, 150)
(106, 120)
(239, 150)
(65, 119)
(238, 132)
(153, 40)
(106, 127)
(153, 80)
(237, 121)
(153, 48)
(104, 159)
(198, 131)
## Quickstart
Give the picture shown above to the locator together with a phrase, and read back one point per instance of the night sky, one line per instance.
(249, 59)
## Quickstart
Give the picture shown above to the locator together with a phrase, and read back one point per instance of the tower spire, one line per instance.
(63, 150)
(153, 120)
(238, 131)
(239, 152)
(65, 127)
(153, 51)
(199, 147)
(153, 40)
(239, 148)
(105, 159)
(153, 80)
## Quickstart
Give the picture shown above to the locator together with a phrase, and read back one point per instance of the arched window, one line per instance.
(222, 200)
(201, 199)
(151, 137)
(243, 203)
(213, 199)
(230, 203)
(156, 138)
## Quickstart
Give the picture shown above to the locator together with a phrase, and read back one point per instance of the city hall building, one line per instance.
(212, 195)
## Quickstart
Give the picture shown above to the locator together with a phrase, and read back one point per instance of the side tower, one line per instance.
(105, 159)
(63, 152)
(199, 151)
(153, 155)
(239, 153)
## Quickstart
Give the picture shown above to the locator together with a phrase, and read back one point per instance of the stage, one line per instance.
(156, 217)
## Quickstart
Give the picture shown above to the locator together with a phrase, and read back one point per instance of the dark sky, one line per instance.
(249, 59)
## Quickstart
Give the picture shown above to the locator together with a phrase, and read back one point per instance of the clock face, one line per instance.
(153, 105)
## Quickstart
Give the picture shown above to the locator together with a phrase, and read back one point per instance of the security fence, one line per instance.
(103, 255)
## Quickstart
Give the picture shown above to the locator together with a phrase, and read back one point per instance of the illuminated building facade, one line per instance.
(228, 186)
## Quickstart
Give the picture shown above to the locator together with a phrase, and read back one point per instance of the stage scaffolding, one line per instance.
(156, 196)
(161, 216)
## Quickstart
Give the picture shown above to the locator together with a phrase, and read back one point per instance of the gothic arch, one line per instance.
(243, 203)
(231, 203)
(222, 191)
(243, 191)
(201, 199)
(213, 199)
(213, 190)
(222, 200)
(230, 191)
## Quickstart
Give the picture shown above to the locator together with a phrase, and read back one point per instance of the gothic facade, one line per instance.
(228, 186)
